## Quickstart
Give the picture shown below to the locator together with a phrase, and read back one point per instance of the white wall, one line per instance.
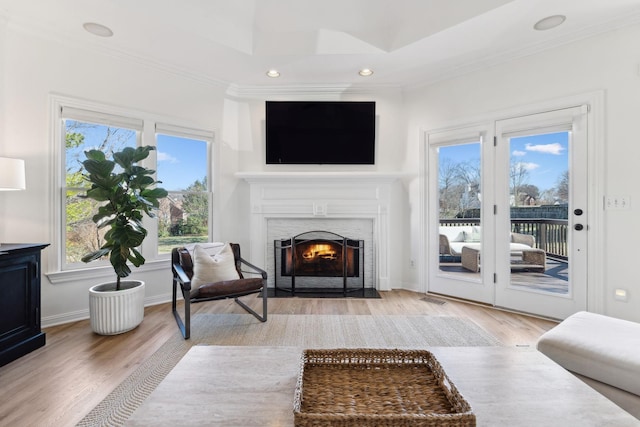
(608, 62)
(32, 67)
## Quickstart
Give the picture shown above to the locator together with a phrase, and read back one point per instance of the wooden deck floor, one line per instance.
(553, 280)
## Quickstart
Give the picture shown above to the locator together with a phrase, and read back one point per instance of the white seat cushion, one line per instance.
(513, 247)
(599, 347)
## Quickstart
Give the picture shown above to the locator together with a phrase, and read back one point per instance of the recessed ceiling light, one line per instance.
(97, 29)
(549, 22)
(365, 72)
(273, 73)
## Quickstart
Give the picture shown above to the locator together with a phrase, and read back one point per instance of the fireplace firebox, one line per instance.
(319, 261)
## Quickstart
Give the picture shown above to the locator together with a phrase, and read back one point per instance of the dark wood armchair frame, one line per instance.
(182, 280)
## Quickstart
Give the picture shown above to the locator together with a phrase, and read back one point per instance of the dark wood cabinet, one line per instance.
(20, 331)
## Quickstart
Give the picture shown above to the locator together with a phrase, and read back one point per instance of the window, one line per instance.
(84, 130)
(183, 169)
(182, 161)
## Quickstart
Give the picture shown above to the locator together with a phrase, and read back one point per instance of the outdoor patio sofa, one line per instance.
(453, 238)
(464, 241)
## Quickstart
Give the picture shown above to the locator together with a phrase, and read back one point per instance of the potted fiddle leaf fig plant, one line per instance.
(128, 192)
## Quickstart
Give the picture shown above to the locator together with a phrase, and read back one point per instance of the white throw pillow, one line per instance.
(211, 269)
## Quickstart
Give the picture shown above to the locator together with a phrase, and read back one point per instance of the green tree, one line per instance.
(195, 204)
(562, 188)
(519, 177)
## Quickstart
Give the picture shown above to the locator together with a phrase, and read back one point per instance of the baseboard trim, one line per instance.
(76, 316)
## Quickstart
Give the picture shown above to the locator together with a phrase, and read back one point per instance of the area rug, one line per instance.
(305, 331)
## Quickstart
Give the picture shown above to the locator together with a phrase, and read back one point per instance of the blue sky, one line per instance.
(544, 156)
(181, 161)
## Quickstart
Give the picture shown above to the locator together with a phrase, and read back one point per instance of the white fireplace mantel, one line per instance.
(311, 177)
(326, 195)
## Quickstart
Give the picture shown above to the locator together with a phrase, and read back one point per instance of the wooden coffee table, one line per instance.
(254, 386)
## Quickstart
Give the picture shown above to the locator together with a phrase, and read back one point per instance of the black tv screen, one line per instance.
(320, 132)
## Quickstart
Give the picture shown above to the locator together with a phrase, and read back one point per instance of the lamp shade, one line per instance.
(12, 175)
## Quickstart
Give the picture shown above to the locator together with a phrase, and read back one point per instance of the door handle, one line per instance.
(578, 212)
(578, 227)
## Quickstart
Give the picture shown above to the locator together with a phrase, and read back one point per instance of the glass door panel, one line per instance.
(455, 202)
(459, 208)
(539, 207)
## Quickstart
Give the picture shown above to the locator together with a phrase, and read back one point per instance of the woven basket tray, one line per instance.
(374, 387)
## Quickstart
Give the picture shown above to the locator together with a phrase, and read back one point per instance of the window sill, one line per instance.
(66, 276)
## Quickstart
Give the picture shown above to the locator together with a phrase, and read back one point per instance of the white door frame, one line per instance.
(441, 282)
(594, 102)
(561, 305)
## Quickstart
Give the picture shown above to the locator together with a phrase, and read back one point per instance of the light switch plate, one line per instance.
(617, 202)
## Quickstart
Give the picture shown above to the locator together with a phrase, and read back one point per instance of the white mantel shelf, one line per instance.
(263, 177)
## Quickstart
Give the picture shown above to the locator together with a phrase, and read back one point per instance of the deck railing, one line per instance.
(550, 234)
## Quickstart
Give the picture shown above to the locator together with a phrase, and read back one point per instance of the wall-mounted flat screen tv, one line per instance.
(320, 132)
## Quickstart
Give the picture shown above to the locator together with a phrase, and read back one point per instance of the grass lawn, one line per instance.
(165, 244)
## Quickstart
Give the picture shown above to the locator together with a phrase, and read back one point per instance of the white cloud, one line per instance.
(555, 148)
(528, 166)
(518, 153)
(164, 157)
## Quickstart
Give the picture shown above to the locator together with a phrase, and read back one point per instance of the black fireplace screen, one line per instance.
(320, 257)
(317, 258)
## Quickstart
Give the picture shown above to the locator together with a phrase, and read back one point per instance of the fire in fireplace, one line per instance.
(319, 260)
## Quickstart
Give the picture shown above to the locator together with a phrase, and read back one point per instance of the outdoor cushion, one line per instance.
(455, 233)
(513, 247)
(473, 236)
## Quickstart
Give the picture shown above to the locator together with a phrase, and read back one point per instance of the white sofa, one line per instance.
(602, 351)
(453, 238)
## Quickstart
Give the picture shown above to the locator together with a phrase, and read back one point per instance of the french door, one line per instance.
(507, 212)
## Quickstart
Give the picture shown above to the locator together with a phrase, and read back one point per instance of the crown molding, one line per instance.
(306, 91)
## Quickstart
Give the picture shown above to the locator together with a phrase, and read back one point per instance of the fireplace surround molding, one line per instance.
(322, 196)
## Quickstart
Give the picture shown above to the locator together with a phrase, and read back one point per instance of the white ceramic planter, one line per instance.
(114, 312)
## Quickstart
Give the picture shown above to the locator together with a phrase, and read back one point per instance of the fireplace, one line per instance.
(354, 204)
(319, 261)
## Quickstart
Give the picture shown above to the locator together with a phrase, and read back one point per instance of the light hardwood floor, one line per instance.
(60, 383)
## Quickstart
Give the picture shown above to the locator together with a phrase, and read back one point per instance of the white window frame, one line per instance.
(83, 110)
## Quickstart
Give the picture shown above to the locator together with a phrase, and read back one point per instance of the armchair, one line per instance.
(182, 266)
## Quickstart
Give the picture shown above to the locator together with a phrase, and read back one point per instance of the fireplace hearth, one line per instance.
(319, 262)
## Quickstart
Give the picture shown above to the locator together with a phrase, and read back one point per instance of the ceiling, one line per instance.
(318, 43)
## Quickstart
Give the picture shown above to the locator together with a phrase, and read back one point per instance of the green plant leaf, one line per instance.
(95, 155)
(95, 255)
(100, 194)
(136, 257)
(154, 193)
(142, 153)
